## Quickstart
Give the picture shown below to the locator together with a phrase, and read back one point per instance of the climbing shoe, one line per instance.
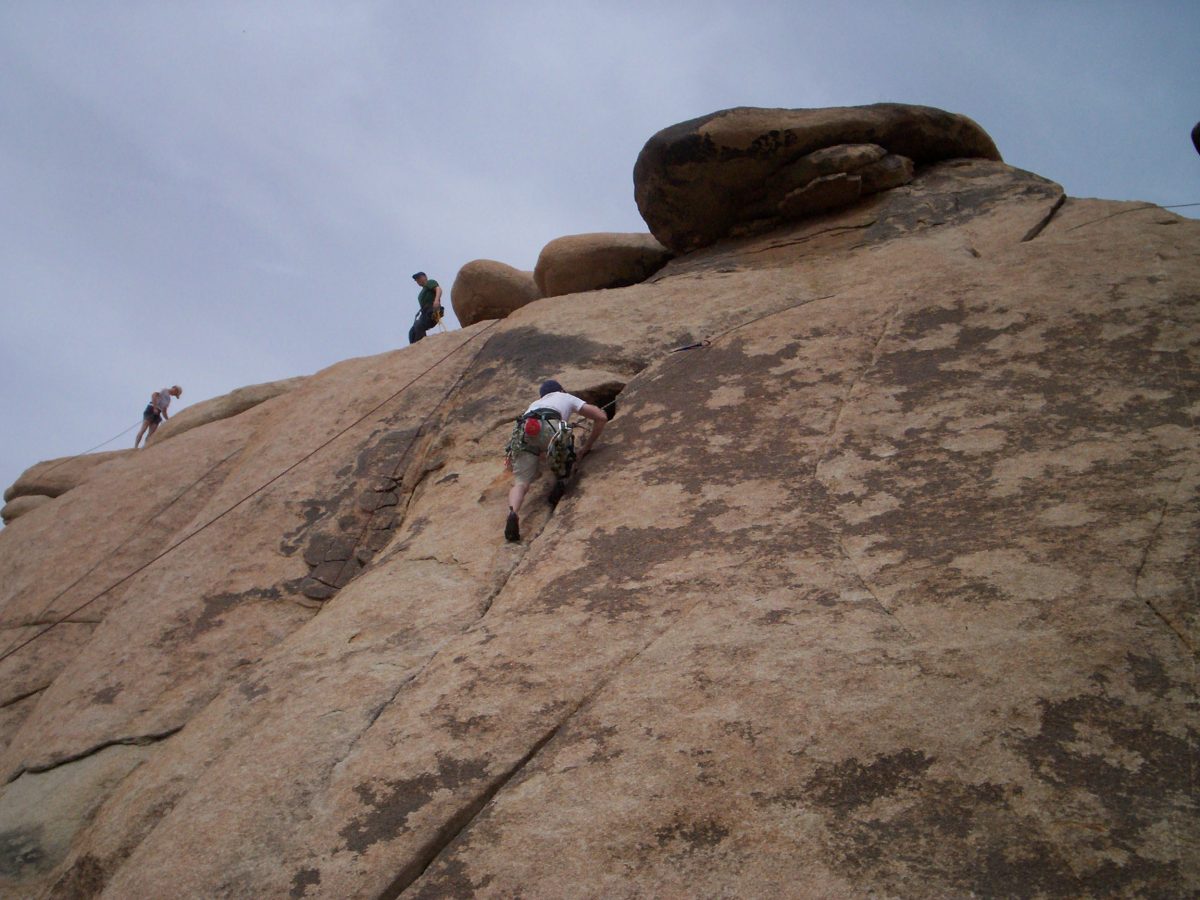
(512, 527)
(556, 492)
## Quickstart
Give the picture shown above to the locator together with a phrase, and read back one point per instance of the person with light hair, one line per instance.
(156, 412)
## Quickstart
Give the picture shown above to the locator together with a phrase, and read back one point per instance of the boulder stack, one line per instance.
(747, 170)
(593, 262)
(486, 289)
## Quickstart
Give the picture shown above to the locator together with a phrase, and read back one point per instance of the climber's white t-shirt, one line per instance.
(566, 405)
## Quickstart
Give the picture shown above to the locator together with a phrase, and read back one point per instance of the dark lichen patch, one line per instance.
(946, 838)
(302, 880)
(850, 784)
(742, 729)
(105, 696)
(87, 877)
(449, 876)
(1115, 752)
(252, 690)
(472, 725)
(943, 195)
(689, 837)
(212, 614)
(390, 803)
(1149, 675)
(22, 852)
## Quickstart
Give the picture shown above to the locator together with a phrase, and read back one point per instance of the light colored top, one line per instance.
(163, 400)
(566, 405)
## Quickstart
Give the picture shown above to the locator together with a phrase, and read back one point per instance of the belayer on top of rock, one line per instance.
(544, 428)
(156, 412)
(430, 301)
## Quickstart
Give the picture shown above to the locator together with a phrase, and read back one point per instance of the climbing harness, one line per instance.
(527, 438)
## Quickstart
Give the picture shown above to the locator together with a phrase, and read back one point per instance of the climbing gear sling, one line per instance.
(527, 438)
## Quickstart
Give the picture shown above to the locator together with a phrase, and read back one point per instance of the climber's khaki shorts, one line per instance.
(525, 467)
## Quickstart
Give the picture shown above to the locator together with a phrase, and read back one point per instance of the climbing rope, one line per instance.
(258, 490)
(67, 459)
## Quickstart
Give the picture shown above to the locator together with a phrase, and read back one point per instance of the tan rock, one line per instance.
(18, 506)
(486, 289)
(700, 180)
(54, 477)
(891, 171)
(231, 404)
(821, 194)
(904, 552)
(593, 262)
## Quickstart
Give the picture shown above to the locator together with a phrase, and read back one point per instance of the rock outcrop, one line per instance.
(486, 289)
(885, 588)
(223, 407)
(592, 262)
(52, 478)
(747, 170)
(18, 506)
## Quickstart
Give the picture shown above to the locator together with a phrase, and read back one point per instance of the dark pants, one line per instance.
(425, 320)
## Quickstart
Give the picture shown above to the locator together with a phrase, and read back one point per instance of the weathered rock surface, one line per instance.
(223, 407)
(593, 262)
(486, 289)
(748, 170)
(54, 477)
(889, 589)
(18, 506)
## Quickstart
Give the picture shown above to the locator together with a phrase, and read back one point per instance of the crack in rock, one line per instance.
(1040, 226)
(141, 740)
(1137, 576)
(25, 696)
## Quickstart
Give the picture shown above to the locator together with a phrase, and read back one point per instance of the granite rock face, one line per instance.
(887, 589)
(52, 478)
(748, 170)
(486, 289)
(592, 262)
(18, 506)
(223, 407)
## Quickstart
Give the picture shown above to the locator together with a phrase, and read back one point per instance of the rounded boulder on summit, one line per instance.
(748, 169)
(487, 289)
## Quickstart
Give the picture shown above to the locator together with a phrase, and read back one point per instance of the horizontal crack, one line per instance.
(140, 740)
(40, 622)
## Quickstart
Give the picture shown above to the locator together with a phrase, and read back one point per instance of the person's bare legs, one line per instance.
(141, 431)
(516, 495)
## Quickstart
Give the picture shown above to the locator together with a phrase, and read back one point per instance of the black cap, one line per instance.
(549, 387)
(417, 275)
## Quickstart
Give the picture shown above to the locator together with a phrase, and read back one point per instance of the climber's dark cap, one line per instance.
(549, 387)
(417, 275)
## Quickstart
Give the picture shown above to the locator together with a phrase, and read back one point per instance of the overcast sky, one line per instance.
(217, 194)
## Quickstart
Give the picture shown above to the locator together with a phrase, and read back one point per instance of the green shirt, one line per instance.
(425, 298)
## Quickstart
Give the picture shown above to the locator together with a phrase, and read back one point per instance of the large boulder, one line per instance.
(231, 404)
(593, 262)
(746, 170)
(486, 289)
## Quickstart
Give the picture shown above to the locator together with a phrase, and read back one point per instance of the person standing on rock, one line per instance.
(541, 429)
(156, 412)
(430, 301)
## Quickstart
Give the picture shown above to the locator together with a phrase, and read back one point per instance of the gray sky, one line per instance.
(217, 194)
